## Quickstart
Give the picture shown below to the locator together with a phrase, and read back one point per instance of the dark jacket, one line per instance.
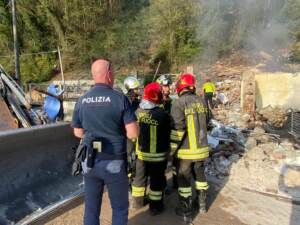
(189, 132)
(153, 143)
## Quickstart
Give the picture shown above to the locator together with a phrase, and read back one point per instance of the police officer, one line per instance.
(132, 86)
(189, 141)
(152, 147)
(103, 118)
(165, 83)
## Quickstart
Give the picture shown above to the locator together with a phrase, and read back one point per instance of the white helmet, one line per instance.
(163, 80)
(131, 83)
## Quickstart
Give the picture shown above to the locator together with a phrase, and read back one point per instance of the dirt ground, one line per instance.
(227, 206)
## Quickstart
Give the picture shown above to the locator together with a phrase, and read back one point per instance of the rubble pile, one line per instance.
(256, 160)
(231, 89)
(263, 168)
(228, 144)
(276, 117)
(243, 153)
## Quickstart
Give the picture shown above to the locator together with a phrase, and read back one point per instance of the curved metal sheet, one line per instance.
(35, 169)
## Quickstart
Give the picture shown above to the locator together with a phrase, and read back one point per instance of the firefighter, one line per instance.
(152, 148)
(189, 144)
(209, 90)
(165, 83)
(132, 87)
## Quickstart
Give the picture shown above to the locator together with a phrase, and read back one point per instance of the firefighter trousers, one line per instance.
(209, 99)
(186, 170)
(156, 172)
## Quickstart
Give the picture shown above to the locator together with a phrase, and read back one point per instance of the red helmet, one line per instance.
(185, 80)
(152, 93)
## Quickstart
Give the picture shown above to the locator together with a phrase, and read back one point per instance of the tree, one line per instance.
(173, 30)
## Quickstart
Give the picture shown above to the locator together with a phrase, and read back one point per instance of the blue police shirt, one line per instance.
(103, 112)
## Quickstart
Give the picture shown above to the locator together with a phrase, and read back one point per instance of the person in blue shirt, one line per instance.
(103, 118)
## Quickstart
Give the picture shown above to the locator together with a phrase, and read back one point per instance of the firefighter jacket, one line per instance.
(189, 134)
(167, 104)
(153, 143)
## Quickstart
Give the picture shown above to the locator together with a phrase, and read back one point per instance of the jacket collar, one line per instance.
(102, 85)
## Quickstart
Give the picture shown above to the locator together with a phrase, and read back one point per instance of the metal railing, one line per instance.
(295, 124)
(72, 90)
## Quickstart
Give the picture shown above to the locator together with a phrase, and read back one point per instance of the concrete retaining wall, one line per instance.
(278, 89)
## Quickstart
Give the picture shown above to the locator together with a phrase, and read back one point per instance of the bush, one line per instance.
(37, 68)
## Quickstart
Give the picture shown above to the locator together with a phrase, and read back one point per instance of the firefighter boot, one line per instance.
(136, 202)
(156, 207)
(185, 208)
(202, 201)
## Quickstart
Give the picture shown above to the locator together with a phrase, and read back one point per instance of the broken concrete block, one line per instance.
(251, 125)
(246, 117)
(242, 125)
(287, 145)
(263, 138)
(258, 123)
(250, 143)
(292, 178)
(278, 155)
(233, 117)
(256, 154)
(259, 130)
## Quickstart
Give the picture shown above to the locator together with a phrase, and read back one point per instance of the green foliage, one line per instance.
(37, 68)
(142, 33)
(173, 30)
(292, 11)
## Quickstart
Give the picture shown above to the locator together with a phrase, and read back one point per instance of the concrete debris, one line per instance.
(227, 132)
(292, 178)
(246, 152)
(250, 143)
(276, 116)
(259, 130)
(222, 98)
(258, 165)
(229, 91)
(256, 154)
(246, 117)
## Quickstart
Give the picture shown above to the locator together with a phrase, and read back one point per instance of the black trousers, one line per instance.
(208, 99)
(186, 170)
(156, 172)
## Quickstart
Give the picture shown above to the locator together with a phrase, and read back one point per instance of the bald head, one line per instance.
(102, 72)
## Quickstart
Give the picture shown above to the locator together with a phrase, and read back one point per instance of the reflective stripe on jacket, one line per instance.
(189, 134)
(153, 143)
